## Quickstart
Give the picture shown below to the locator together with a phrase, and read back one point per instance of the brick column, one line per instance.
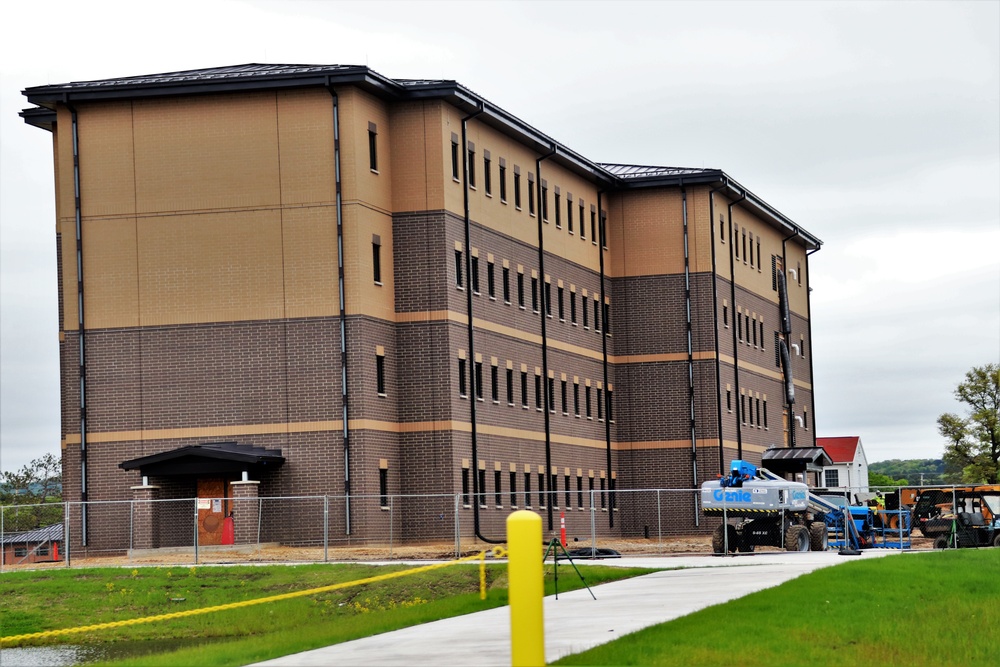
(246, 511)
(145, 515)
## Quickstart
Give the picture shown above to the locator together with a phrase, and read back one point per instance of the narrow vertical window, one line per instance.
(802, 346)
(604, 504)
(572, 307)
(604, 230)
(600, 404)
(496, 488)
(725, 315)
(524, 389)
(774, 273)
(576, 398)
(527, 489)
(565, 407)
(777, 351)
(487, 175)
(380, 374)
(586, 394)
(383, 488)
(798, 273)
(541, 490)
(520, 289)
(579, 491)
(517, 188)
(495, 383)
(506, 284)
(458, 268)
(544, 203)
(612, 496)
(765, 412)
(736, 241)
(554, 490)
(583, 305)
(463, 389)
(534, 294)
(513, 489)
(455, 161)
(759, 260)
(479, 380)
(597, 314)
(750, 412)
(558, 206)
(491, 285)
(761, 323)
(481, 496)
(611, 402)
(373, 147)
(729, 399)
(503, 180)
(465, 487)
(583, 231)
(754, 327)
(531, 194)
(538, 391)
(568, 491)
(607, 318)
(759, 415)
(562, 310)
(471, 165)
(548, 299)
(743, 408)
(551, 394)
(739, 326)
(510, 386)
(569, 213)
(593, 225)
(474, 278)
(805, 419)
(377, 260)
(751, 250)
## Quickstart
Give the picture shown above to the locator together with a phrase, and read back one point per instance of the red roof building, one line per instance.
(850, 466)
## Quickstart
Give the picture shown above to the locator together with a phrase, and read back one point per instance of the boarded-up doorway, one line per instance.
(212, 507)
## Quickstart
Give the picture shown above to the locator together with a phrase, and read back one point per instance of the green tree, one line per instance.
(878, 479)
(974, 441)
(29, 495)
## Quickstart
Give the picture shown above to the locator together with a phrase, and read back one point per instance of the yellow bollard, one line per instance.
(526, 588)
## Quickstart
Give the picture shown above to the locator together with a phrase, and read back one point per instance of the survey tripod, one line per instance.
(555, 546)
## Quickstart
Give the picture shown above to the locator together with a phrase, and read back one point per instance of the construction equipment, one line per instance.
(935, 507)
(769, 511)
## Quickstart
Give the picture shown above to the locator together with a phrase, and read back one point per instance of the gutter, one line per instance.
(601, 244)
(715, 329)
(785, 313)
(542, 207)
(809, 330)
(690, 344)
(736, 347)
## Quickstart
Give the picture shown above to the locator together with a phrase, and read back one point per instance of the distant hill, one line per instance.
(932, 470)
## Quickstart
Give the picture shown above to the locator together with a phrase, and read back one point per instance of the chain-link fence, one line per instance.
(369, 527)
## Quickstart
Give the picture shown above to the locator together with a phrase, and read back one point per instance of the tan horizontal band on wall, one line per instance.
(766, 372)
(205, 432)
(662, 444)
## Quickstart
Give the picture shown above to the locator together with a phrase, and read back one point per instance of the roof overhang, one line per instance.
(207, 459)
(795, 459)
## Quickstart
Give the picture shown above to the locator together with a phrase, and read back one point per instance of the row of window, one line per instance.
(575, 211)
(750, 331)
(603, 497)
(747, 405)
(581, 400)
(541, 297)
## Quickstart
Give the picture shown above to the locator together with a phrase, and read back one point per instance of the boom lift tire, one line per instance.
(718, 537)
(942, 542)
(996, 540)
(818, 539)
(797, 538)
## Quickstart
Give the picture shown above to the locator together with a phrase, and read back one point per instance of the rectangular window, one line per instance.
(607, 318)
(472, 166)
(506, 285)
(758, 255)
(583, 233)
(613, 500)
(534, 294)
(736, 241)
(538, 391)
(495, 384)
(761, 323)
(774, 273)
(604, 230)
(527, 489)
(487, 175)
(568, 491)
(831, 478)
(744, 245)
(503, 180)
(579, 491)
(455, 168)
(520, 289)
(551, 394)
(569, 214)
(524, 389)
(593, 225)
(586, 395)
(372, 147)
(805, 420)
(725, 315)
(383, 487)
(377, 262)
(597, 314)
(513, 489)
(458, 268)
(465, 487)
(777, 351)
(380, 374)
(604, 504)
(743, 408)
(583, 306)
(611, 402)
(541, 490)
(765, 413)
(729, 400)
(510, 386)
(576, 398)
(548, 299)
(474, 278)
(481, 491)
(739, 326)
(491, 284)
(751, 251)
(531, 195)
(759, 417)
(462, 382)
(750, 412)
(590, 489)
(496, 488)
(558, 205)
(802, 346)
(554, 490)
(479, 380)
(572, 307)
(545, 202)
(600, 405)
(562, 310)
(517, 189)
(565, 407)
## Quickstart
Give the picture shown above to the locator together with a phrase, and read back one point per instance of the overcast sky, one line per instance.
(876, 126)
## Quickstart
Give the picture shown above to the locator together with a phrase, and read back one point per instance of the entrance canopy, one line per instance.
(209, 458)
(783, 460)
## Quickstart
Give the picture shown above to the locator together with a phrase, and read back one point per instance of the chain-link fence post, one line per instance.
(131, 527)
(659, 524)
(3, 546)
(326, 528)
(66, 525)
(196, 531)
(390, 525)
(593, 523)
(458, 527)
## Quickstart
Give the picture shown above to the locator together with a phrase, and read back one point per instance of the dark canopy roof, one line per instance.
(212, 457)
(795, 459)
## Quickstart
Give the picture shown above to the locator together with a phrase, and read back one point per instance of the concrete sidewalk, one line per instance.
(575, 622)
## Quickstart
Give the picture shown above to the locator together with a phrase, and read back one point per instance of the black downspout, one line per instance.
(690, 347)
(715, 326)
(601, 244)
(476, 491)
(736, 346)
(790, 389)
(343, 309)
(809, 331)
(542, 207)
(78, 216)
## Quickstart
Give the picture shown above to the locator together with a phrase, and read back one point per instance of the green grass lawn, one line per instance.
(51, 599)
(914, 610)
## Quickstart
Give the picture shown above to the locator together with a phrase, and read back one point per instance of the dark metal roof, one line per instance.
(213, 457)
(53, 533)
(795, 459)
(257, 76)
